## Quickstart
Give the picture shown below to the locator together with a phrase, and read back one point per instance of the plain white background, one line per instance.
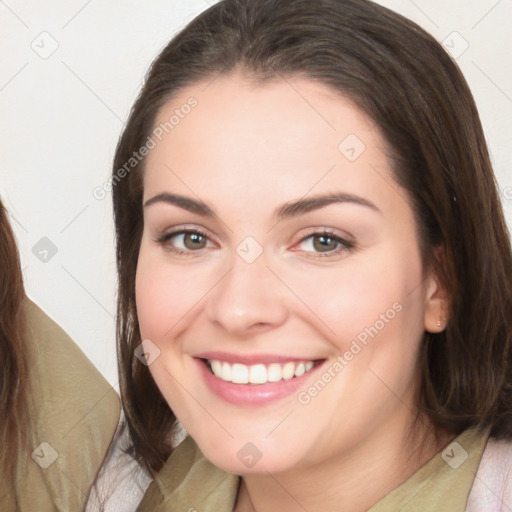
(69, 74)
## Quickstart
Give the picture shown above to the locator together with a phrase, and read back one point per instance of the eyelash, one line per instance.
(344, 245)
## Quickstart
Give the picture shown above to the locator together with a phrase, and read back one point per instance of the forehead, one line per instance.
(288, 134)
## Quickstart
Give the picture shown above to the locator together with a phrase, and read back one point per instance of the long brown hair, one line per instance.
(13, 401)
(405, 81)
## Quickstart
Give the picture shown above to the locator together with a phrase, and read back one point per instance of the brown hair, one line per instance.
(404, 80)
(13, 408)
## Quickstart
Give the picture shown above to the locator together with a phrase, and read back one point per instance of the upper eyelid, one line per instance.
(346, 237)
(187, 229)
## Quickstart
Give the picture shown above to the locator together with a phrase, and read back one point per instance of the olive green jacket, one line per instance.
(73, 415)
(189, 482)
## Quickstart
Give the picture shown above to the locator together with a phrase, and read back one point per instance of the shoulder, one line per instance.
(73, 412)
(66, 388)
(492, 487)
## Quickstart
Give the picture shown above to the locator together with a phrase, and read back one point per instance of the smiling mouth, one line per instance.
(259, 373)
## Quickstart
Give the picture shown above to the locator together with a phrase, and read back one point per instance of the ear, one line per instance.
(436, 300)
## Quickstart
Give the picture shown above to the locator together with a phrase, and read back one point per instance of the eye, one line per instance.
(185, 241)
(325, 243)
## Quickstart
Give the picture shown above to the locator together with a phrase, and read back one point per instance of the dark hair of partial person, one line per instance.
(403, 79)
(13, 402)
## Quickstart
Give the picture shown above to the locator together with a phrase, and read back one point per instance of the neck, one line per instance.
(352, 481)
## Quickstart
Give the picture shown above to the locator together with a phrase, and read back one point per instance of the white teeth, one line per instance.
(226, 371)
(240, 373)
(259, 373)
(216, 367)
(300, 370)
(288, 371)
(274, 372)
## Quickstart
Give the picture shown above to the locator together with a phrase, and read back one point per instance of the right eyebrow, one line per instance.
(187, 203)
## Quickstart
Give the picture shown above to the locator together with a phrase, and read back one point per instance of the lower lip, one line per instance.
(252, 394)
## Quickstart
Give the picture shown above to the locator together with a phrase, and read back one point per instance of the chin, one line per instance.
(248, 458)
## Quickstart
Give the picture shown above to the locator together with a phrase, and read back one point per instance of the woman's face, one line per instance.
(278, 249)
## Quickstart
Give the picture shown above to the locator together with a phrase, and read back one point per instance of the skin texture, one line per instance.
(245, 150)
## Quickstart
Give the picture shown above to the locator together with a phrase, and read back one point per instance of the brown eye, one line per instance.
(194, 241)
(185, 241)
(325, 243)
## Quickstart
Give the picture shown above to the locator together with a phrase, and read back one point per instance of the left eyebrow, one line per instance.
(295, 208)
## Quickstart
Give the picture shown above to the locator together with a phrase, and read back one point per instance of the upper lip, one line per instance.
(251, 359)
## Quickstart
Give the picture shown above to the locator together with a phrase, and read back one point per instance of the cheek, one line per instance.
(375, 324)
(372, 313)
(355, 296)
(158, 305)
(153, 304)
(164, 297)
(165, 294)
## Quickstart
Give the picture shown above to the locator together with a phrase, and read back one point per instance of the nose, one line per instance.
(248, 300)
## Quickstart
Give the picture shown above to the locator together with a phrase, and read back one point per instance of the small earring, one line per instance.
(438, 323)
